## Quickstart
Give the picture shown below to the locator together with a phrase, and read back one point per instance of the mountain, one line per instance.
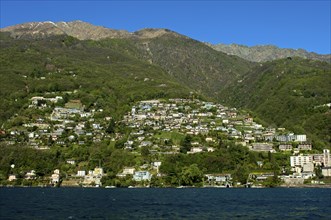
(113, 69)
(188, 61)
(104, 77)
(78, 29)
(192, 63)
(149, 63)
(291, 92)
(267, 52)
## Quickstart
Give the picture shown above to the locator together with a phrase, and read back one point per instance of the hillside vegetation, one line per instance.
(104, 77)
(189, 62)
(114, 72)
(290, 93)
(153, 108)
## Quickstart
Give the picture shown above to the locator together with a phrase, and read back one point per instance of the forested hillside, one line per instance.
(104, 77)
(291, 93)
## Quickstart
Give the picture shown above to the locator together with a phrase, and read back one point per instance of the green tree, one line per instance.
(186, 144)
(191, 175)
(240, 174)
(156, 181)
(318, 172)
(145, 151)
(111, 127)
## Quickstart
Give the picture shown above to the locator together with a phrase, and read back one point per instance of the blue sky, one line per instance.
(285, 23)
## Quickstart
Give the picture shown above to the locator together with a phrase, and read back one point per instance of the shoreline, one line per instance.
(326, 186)
(306, 186)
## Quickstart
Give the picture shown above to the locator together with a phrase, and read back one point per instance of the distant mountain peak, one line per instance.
(154, 32)
(78, 29)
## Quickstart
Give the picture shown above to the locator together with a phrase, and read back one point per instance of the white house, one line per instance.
(326, 171)
(285, 147)
(94, 177)
(11, 178)
(72, 162)
(301, 138)
(195, 150)
(219, 179)
(308, 167)
(128, 171)
(142, 176)
(262, 147)
(225, 121)
(304, 147)
(81, 173)
(55, 178)
(30, 175)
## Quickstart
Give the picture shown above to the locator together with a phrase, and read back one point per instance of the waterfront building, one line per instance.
(300, 160)
(141, 176)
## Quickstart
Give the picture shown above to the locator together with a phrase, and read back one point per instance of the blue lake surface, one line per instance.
(171, 203)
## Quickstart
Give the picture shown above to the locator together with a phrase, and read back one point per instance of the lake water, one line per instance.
(189, 203)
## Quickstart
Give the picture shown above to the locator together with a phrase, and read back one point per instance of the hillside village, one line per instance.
(62, 126)
(194, 117)
(159, 128)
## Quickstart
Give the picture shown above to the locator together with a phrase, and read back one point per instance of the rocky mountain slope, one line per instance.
(78, 29)
(267, 52)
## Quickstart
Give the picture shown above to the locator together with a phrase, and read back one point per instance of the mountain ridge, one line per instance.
(263, 53)
(80, 30)
(87, 31)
